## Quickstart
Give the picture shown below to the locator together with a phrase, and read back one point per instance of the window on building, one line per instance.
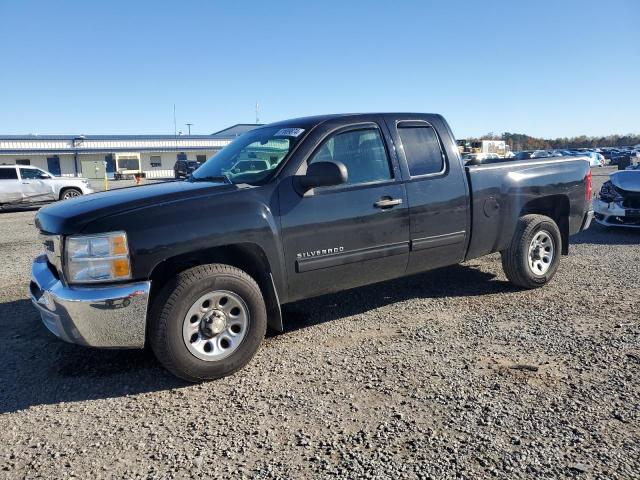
(156, 161)
(8, 174)
(421, 149)
(201, 158)
(24, 161)
(128, 164)
(361, 151)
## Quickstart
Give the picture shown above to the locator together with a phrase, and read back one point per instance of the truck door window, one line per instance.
(421, 149)
(29, 174)
(361, 151)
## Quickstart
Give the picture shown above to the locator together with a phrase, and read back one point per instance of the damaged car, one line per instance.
(618, 204)
(28, 185)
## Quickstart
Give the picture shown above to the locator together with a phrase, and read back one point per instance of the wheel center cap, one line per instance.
(213, 323)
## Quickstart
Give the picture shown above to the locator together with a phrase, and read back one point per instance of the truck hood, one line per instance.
(70, 216)
(627, 180)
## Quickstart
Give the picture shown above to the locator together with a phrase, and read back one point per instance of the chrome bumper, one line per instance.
(586, 222)
(101, 316)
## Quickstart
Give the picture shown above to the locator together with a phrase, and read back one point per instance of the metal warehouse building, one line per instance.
(90, 155)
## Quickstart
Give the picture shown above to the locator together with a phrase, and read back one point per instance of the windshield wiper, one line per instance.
(211, 178)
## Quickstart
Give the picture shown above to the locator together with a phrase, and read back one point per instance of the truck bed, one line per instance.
(502, 192)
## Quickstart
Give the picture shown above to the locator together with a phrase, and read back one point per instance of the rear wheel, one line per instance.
(68, 193)
(208, 322)
(533, 256)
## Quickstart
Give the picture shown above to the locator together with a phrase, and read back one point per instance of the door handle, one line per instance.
(387, 202)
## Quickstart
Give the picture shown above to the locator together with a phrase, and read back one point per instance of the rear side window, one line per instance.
(8, 174)
(422, 150)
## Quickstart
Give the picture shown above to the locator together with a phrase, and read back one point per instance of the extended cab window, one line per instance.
(361, 151)
(421, 149)
(8, 174)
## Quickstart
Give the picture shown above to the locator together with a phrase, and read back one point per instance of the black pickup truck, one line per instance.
(198, 269)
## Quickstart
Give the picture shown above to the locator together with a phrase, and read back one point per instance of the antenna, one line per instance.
(175, 129)
(257, 112)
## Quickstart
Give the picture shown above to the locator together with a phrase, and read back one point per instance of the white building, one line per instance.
(89, 155)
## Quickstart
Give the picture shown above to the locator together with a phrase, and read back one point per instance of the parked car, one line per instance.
(184, 168)
(618, 204)
(23, 184)
(540, 154)
(287, 211)
(523, 155)
(481, 158)
(595, 159)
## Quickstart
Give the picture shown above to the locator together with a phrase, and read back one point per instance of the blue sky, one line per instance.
(545, 68)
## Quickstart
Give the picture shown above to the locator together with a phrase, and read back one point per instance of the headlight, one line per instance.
(608, 192)
(97, 258)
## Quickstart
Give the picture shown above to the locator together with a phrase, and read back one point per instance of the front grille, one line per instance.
(36, 291)
(631, 202)
(53, 250)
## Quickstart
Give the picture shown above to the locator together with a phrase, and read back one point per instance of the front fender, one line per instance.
(159, 232)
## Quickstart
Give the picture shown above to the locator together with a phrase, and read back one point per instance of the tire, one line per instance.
(185, 292)
(68, 193)
(517, 259)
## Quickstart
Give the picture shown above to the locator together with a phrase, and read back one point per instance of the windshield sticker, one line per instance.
(289, 132)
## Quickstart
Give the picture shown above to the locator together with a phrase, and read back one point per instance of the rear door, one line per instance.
(437, 191)
(10, 186)
(347, 235)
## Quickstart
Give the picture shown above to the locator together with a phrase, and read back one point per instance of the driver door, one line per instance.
(34, 186)
(352, 234)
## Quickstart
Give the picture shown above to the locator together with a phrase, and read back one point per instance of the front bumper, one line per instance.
(99, 316)
(614, 215)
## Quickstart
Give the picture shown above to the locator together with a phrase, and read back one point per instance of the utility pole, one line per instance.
(189, 127)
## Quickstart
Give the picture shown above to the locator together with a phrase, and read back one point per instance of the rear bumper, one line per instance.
(614, 215)
(105, 316)
(586, 222)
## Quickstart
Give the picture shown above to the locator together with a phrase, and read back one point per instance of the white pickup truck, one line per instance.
(20, 184)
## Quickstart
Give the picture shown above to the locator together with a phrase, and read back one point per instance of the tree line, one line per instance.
(520, 141)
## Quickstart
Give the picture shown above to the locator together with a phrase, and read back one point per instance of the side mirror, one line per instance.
(323, 174)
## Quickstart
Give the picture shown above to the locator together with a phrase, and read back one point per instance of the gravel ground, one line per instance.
(452, 373)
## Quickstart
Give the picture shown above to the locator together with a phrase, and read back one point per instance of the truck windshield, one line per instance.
(251, 158)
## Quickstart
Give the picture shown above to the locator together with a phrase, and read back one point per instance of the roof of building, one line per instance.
(104, 137)
(236, 130)
(77, 141)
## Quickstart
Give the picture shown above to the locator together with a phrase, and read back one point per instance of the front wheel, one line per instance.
(533, 256)
(208, 322)
(68, 193)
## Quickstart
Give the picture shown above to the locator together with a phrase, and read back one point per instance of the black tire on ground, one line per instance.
(172, 304)
(515, 259)
(67, 193)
